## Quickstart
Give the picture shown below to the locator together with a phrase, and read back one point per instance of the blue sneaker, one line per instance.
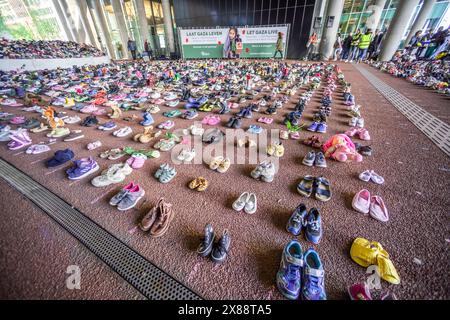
(313, 224)
(313, 126)
(313, 277)
(297, 220)
(321, 127)
(148, 119)
(255, 129)
(289, 274)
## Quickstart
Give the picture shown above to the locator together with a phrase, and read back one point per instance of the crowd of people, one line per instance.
(46, 49)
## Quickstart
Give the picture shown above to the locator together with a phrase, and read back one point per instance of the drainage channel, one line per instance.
(147, 278)
(435, 129)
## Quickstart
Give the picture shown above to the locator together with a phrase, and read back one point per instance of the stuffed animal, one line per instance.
(341, 148)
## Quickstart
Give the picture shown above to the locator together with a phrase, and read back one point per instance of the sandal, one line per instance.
(322, 189)
(200, 184)
(305, 187)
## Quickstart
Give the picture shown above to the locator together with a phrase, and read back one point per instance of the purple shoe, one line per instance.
(108, 126)
(313, 127)
(313, 277)
(289, 274)
(82, 168)
(321, 128)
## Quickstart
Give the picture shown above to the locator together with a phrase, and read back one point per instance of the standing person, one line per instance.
(346, 45)
(132, 47)
(377, 43)
(148, 49)
(337, 47)
(415, 40)
(363, 45)
(424, 42)
(354, 46)
(279, 46)
(310, 45)
(373, 45)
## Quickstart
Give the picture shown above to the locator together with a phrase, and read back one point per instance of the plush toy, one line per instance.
(341, 148)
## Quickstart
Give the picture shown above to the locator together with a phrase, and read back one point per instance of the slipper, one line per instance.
(361, 201)
(322, 189)
(378, 209)
(305, 187)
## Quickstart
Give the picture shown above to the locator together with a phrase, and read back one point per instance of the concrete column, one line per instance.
(143, 25)
(397, 27)
(329, 34)
(377, 9)
(422, 17)
(168, 25)
(62, 18)
(82, 6)
(120, 19)
(74, 27)
(99, 16)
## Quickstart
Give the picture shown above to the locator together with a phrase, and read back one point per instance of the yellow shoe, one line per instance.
(366, 253)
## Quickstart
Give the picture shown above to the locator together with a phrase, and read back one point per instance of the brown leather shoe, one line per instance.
(163, 218)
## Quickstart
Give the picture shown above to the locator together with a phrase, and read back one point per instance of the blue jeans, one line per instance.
(345, 52)
(353, 53)
(362, 53)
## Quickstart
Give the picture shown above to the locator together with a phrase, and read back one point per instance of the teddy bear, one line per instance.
(341, 148)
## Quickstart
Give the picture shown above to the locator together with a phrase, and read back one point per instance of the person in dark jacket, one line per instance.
(148, 49)
(346, 44)
(132, 47)
(375, 44)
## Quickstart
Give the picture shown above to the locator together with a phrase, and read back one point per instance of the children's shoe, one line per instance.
(359, 291)
(313, 127)
(309, 159)
(289, 274)
(220, 251)
(297, 220)
(321, 127)
(206, 246)
(313, 226)
(313, 277)
(82, 168)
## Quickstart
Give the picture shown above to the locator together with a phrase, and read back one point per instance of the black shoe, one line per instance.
(271, 110)
(231, 122)
(89, 121)
(206, 246)
(237, 122)
(220, 250)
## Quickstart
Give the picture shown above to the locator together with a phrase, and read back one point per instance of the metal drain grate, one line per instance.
(151, 281)
(434, 128)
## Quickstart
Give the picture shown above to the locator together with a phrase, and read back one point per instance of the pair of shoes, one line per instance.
(367, 253)
(356, 122)
(148, 119)
(158, 219)
(137, 160)
(82, 168)
(200, 184)
(186, 155)
(247, 202)
(374, 205)
(361, 133)
(311, 221)
(361, 291)
(212, 136)
(165, 173)
(254, 128)
(116, 173)
(219, 251)
(275, 149)
(301, 273)
(108, 126)
(319, 127)
(94, 145)
(112, 154)
(319, 186)
(245, 113)
(317, 159)
(196, 131)
(363, 150)
(60, 157)
(189, 114)
(246, 142)
(220, 164)
(313, 141)
(90, 121)
(18, 139)
(370, 175)
(128, 197)
(234, 122)
(123, 132)
(265, 171)
(167, 125)
(165, 144)
(265, 120)
(211, 120)
(147, 136)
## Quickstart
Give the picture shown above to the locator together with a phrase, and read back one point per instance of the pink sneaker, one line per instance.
(361, 201)
(99, 112)
(351, 132)
(17, 120)
(89, 108)
(136, 161)
(363, 134)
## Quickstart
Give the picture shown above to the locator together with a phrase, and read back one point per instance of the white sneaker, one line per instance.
(360, 123)
(123, 132)
(352, 122)
(71, 120)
